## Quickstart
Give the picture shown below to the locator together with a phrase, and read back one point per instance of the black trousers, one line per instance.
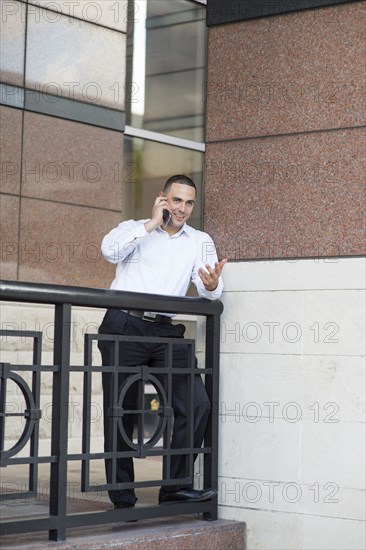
(153, 355)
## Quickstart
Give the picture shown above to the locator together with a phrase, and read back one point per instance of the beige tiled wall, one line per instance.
(292, 403)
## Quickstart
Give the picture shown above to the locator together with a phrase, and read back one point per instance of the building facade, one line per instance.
(285, 156)
(100, 103)
(263, 103)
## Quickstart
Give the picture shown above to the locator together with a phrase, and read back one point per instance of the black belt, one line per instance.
(147, 316)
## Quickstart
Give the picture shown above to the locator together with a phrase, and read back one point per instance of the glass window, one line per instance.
(167, 68)
(147, 165)
(75, 59)
(12, 42)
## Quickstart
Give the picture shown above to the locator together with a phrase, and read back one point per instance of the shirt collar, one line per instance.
(185, 229)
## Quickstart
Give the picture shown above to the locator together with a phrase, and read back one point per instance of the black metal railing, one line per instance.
(64, 298)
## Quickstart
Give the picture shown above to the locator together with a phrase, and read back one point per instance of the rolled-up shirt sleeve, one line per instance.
(122, 241)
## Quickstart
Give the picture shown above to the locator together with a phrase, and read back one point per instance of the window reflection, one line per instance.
(166, 68)
(147, 165)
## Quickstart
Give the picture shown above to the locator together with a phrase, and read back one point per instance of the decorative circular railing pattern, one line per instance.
(31, 414)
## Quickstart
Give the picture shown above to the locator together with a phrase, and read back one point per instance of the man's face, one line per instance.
(181, 199)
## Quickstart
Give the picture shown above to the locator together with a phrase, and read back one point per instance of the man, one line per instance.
(161, 255)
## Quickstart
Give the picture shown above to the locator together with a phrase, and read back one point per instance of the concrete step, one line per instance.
(180, 533)
(188, 532)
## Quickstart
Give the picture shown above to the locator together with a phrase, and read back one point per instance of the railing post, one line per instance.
(59, 436)
(63, 298)
(212, 361)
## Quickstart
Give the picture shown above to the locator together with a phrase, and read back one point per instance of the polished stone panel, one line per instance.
(10, 150)
(9, 218)
(75, 59)
(12, 42)
(109, 13)
(72, 162)
(60, 244)
(292, 73)
(287, 197)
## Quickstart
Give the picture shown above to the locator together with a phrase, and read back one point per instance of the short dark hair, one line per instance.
(179, 178)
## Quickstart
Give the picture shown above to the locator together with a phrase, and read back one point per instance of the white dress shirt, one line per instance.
(159, 263)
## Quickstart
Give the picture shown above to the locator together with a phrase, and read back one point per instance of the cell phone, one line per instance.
(166, 217)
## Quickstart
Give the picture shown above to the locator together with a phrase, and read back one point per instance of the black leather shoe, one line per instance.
(187, 495)
(123, 505)
(119, 505)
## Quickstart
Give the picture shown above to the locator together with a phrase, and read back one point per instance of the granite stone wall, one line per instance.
(285, 162)
(284, 200)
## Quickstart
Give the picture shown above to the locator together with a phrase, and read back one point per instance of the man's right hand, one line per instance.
(160, 204)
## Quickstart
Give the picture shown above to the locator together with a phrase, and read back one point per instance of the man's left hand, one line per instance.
(211, 276)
